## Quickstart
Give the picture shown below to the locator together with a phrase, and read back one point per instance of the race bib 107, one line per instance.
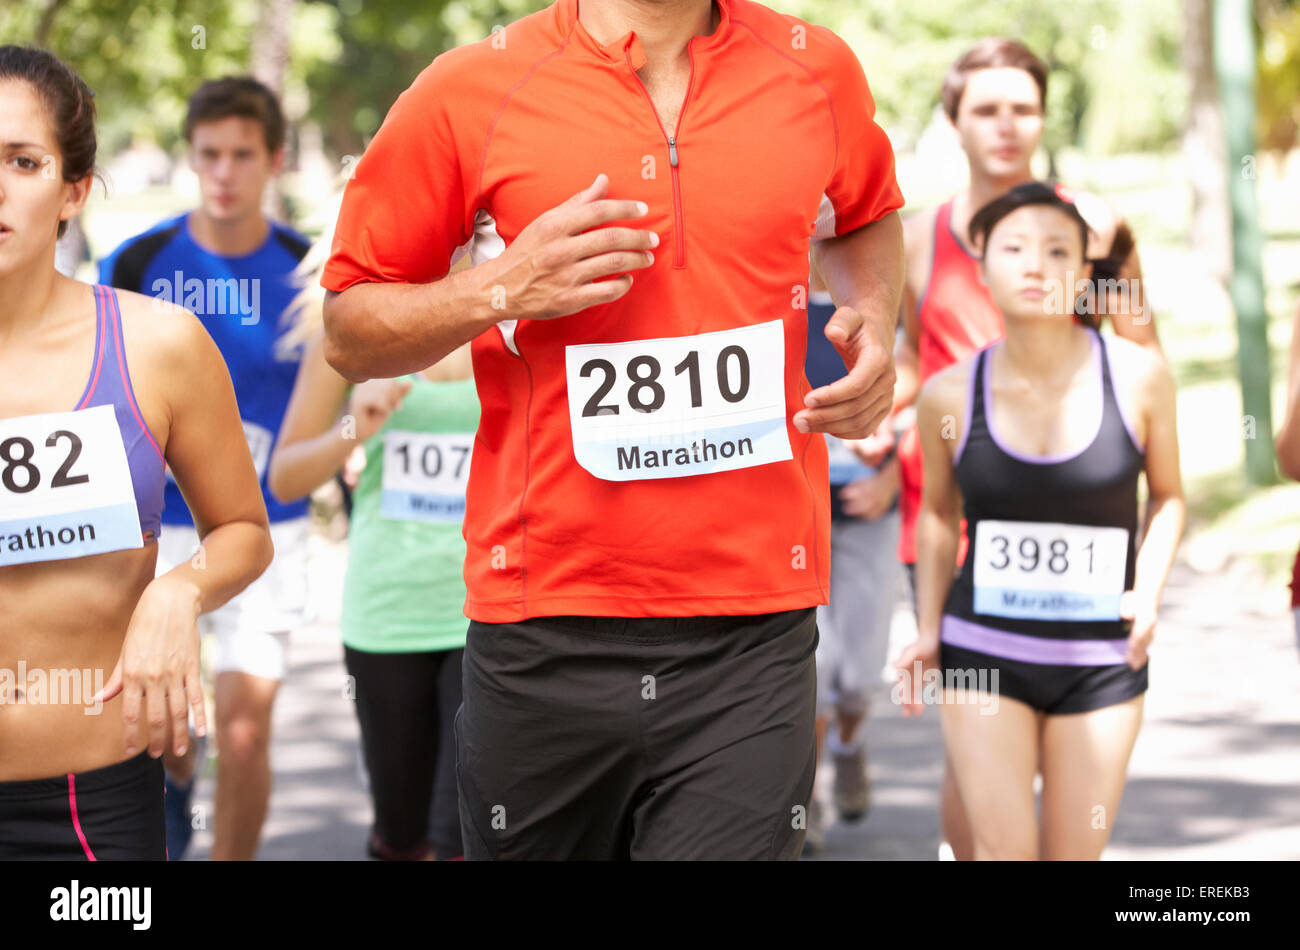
(425, 475)
(678, 406)
(65, 487)
(1046, 571)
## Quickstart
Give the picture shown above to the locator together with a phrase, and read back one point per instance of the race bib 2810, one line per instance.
(678, 406)
(65, 487)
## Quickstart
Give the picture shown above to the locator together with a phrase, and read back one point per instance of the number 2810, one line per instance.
(646, 394)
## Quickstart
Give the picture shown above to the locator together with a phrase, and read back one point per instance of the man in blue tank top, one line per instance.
(233, 267)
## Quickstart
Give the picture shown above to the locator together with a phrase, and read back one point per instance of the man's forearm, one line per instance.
(381, 331)
(864, 270)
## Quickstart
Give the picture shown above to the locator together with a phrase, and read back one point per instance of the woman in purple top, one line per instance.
(98, 392)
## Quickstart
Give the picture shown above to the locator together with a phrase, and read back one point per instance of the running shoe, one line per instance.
(852, 787)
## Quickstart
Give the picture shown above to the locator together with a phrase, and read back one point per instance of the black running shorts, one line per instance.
(662, 738)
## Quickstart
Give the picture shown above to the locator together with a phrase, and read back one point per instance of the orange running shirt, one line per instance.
(636, 459)
(957, 317)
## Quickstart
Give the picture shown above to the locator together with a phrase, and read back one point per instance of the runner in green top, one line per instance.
(404, 591)
(403, 625)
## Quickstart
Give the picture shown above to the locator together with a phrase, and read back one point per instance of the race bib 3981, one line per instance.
(678, 406)
(1045, 571)
(65, 487)
(425, 475)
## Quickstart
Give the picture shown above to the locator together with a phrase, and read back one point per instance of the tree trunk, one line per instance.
(1204, 147)
(1235, 65)
(269, 59)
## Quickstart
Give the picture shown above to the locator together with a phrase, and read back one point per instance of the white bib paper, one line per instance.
(1047, 571)
(678, 406)
(65, 487)
(425, 475)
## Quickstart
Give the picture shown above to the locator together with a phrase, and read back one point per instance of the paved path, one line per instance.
(1215, 775)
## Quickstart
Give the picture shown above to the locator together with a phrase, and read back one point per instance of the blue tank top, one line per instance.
(110, 385)
(241, 301)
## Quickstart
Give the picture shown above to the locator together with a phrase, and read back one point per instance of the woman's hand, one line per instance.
(913, 665)
(1143, 614)
(373, 402)
(158, 670)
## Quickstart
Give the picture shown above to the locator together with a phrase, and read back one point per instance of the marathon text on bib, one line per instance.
(425, 475)
(65, 487)
(1045, 571)
(678, 406)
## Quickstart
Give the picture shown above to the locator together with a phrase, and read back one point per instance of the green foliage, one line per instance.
(1278, 87)
(1100, 52)
(1116, 83)
(142, 59)
(383, 45)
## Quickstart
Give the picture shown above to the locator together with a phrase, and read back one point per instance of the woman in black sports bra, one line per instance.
(1040, 643)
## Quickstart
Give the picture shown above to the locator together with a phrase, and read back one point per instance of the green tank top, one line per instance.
(405, 590)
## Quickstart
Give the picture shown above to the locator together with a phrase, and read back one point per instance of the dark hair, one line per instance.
(992, 52)
(67, 99)
(1030, 193)
(241, 96)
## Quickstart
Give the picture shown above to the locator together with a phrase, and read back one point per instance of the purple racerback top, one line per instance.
(110, 385)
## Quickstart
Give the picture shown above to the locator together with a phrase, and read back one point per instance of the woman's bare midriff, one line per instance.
(62, 624)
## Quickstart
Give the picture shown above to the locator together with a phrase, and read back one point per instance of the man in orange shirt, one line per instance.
(647, 518)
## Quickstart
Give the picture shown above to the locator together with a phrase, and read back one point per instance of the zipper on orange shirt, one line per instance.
(679, 258)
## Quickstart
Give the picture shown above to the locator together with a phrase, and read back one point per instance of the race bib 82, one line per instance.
(678, 406)
(65, 487)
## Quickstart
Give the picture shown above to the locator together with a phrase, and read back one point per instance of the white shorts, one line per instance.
(252, 630)
(854, 627)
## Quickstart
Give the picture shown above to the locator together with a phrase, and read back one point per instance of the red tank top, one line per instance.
(957, 317)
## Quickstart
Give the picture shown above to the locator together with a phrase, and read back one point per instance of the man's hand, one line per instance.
(853, 407)
(870, 498)
(556, 264)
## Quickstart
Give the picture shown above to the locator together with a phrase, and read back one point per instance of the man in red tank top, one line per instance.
(994, 96)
